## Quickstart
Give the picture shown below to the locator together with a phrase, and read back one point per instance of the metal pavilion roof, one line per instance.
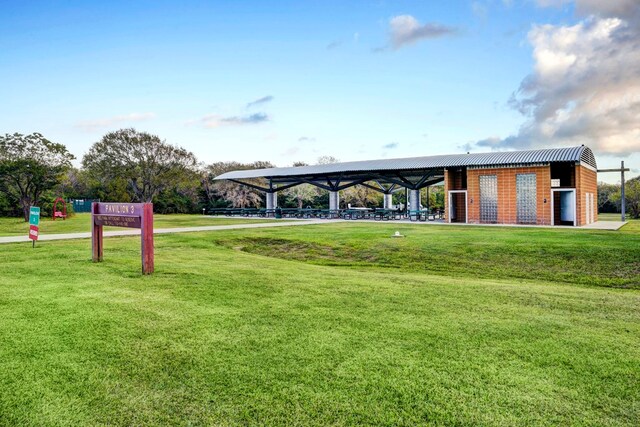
(505, 158)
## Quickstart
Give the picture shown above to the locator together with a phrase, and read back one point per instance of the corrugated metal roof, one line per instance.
(505, 158)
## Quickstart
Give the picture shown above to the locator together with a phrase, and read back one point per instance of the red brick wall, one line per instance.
(447, 180)
(507, 213)
(453, 180)
(587, 181)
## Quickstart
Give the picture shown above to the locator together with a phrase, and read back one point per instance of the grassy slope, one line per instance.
(224, 336)
(590, 257)
(82, 222)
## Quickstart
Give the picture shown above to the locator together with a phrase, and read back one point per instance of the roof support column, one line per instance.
(414, 200)
(272, 199)
(387, 200)
(334, 200)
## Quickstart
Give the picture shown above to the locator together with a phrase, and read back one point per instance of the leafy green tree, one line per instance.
(605, 202)
(146, 163)
(29, 166)
(361, 196)
(183, 198)
(436, 197)
(632, 197)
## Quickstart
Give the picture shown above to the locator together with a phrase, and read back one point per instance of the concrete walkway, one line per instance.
(134, 232)
(605, 225)
(600, 225)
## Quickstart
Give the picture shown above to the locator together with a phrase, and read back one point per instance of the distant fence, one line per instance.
(82, 205)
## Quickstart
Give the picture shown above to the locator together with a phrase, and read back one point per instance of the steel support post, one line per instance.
(272, 200)
(387, 200)
(414, 200)
(334, 200)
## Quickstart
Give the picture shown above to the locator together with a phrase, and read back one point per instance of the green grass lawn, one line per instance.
(334, 324)
(589, 257)
(82, 222)
(612, 217)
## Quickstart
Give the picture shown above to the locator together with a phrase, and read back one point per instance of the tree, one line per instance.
(146, 163)
(301, 193)
(233, 194)
(326, 160)
(29, 166)
(74, 184)
(605, 202)
(436, 197)
(361, 196)
(632, 197)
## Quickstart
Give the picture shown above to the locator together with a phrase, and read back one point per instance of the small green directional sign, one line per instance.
(34, 215)
(34, 222)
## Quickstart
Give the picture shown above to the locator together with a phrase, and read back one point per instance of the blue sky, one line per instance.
(288, 81)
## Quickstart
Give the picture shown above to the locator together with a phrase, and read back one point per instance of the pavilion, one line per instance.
(554, 186)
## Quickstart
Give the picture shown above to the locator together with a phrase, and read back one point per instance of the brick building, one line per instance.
(535, 190)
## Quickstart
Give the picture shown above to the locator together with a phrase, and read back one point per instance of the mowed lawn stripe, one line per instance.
(222, 336)
(81, 222)
(590, 257)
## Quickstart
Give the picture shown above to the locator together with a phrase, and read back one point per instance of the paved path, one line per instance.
(87, 235)
(605, 225)
(600, 225)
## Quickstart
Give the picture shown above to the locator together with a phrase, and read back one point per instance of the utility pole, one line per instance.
(622, 170)
(623, 203)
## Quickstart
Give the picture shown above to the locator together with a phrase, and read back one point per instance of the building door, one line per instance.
(457, 206)
(563, 207)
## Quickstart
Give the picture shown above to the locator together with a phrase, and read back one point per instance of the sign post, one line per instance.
(34, 223)
(130, 215)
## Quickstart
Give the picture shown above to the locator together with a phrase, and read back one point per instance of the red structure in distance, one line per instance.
(59, 214)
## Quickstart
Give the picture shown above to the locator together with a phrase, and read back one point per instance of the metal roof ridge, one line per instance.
(575, 153)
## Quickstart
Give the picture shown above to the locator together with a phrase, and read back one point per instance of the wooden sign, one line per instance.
(130, 215)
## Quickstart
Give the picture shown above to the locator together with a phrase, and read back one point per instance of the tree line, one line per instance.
(131, 166)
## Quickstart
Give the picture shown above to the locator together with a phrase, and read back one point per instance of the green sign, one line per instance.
(34, 216)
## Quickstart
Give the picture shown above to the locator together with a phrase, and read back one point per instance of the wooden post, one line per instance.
(96, 236)
(622, 201)
(147, 238)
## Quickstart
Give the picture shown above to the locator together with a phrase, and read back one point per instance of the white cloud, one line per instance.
(585, 86)
(215, 120)
(406, 30)
(602, 8)
(90, 125)
(260, 101)
(306, 139)
(552, 3)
